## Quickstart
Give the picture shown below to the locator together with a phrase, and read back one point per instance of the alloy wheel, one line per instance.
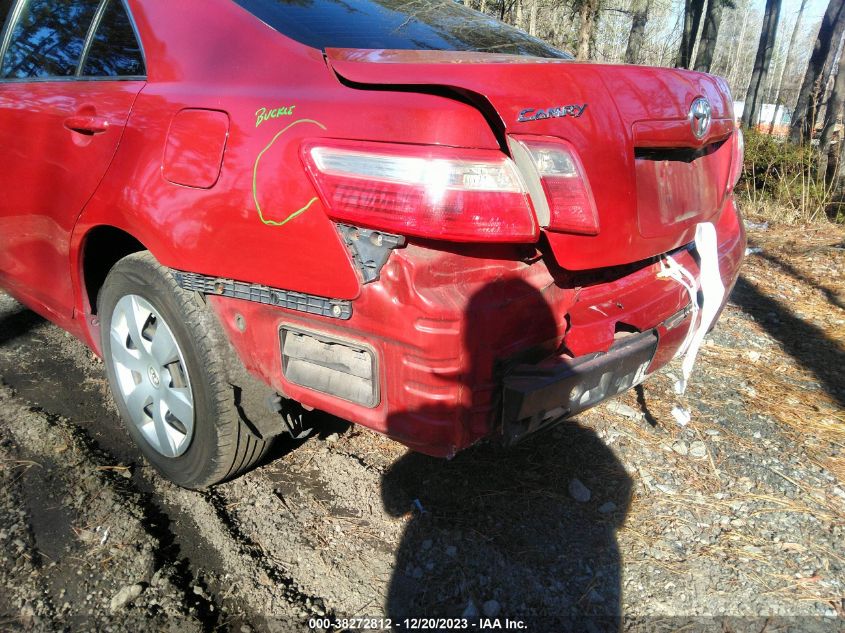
(152, 376)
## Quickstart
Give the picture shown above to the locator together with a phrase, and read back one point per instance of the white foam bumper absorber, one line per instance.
(712, 290)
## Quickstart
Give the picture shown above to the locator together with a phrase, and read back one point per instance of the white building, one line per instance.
(769, 114)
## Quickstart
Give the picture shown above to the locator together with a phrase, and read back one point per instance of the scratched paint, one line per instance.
(258, 208)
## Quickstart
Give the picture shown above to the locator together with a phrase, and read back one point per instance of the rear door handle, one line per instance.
(86, 124)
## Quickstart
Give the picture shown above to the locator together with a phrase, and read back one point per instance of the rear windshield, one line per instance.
(441, 25)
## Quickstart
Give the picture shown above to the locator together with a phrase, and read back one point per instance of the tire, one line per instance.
(173, 396)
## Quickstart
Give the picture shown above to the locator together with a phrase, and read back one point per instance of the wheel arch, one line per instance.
(101, 247)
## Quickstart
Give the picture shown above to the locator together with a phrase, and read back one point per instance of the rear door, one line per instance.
(70, 72)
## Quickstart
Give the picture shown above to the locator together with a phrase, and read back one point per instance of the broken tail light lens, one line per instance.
(463, 195)
(571, 204)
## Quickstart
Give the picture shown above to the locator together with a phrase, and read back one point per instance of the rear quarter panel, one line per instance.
(211, 54)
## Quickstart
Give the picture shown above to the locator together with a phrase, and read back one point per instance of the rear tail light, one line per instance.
(461, 195)
(738, 158)
(572, 208)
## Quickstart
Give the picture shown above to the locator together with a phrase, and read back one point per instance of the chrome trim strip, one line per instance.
(43, 80)
(14, 16)
(89, 37)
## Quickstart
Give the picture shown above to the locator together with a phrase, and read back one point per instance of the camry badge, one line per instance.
(557, 112)
(700, 115)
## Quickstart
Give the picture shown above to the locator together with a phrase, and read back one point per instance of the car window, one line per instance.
(114, 51)
(395, 24)
(5, 6)
(48, 38)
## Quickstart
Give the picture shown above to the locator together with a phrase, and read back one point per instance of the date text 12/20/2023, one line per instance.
(416, 624)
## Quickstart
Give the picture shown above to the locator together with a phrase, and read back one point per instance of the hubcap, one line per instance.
(152, 377)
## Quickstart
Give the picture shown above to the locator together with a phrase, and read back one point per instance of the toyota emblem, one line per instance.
(700, 115)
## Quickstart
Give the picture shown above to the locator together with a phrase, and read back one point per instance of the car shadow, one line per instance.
(17, 323)
(320, 425)
(496, 532)
(806, 343)
(525, 533)
(830, 294)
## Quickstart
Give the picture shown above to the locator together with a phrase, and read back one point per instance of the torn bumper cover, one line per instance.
(451, 334)
(536, 395)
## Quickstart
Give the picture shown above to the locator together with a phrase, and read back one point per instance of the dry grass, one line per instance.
(803, 271)
(782, 182)
(814, 419)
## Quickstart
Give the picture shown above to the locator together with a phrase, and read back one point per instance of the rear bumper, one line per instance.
(533, 394)
(447, 328)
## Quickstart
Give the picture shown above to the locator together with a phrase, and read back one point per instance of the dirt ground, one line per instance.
(621, 517)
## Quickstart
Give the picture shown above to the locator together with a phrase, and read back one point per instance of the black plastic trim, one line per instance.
(534, 396)
(299, 301)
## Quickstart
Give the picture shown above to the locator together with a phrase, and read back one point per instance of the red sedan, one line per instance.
(425, 222)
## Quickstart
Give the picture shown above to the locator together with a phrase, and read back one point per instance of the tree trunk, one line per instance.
(559, 27)
(754, 96)
(692, 20)
(637, 34)
(588, 11)
(734, 68)
(787, 62)
(831, 64)
(532, 22)
(831, 119)
(839, 175)
(707, 44)
(804, 117)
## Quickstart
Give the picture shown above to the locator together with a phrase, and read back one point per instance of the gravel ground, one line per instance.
(623, 514)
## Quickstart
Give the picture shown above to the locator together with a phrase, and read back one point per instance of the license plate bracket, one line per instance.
(536, 395)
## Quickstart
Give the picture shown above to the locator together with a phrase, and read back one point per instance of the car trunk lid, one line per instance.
(651, 177)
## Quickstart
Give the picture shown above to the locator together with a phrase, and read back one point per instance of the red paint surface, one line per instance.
(440, 320)
(674, 195)
(56, 185)
(617, 98)
(47, 175)
(194, 152)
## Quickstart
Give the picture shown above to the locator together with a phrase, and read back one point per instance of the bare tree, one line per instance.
(639, 19)
(788, 60)
(804, 118)
(831, 67)
(588, 12)
(709, 34)
(831, 121)
(692, 20)
(733, 68)
(754, 96)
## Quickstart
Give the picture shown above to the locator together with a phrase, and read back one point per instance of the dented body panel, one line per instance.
(457, 316)
(622, 111)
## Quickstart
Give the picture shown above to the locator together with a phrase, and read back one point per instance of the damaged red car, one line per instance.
(411, 216)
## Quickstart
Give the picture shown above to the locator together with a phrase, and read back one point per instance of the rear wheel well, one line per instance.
(104, 246)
